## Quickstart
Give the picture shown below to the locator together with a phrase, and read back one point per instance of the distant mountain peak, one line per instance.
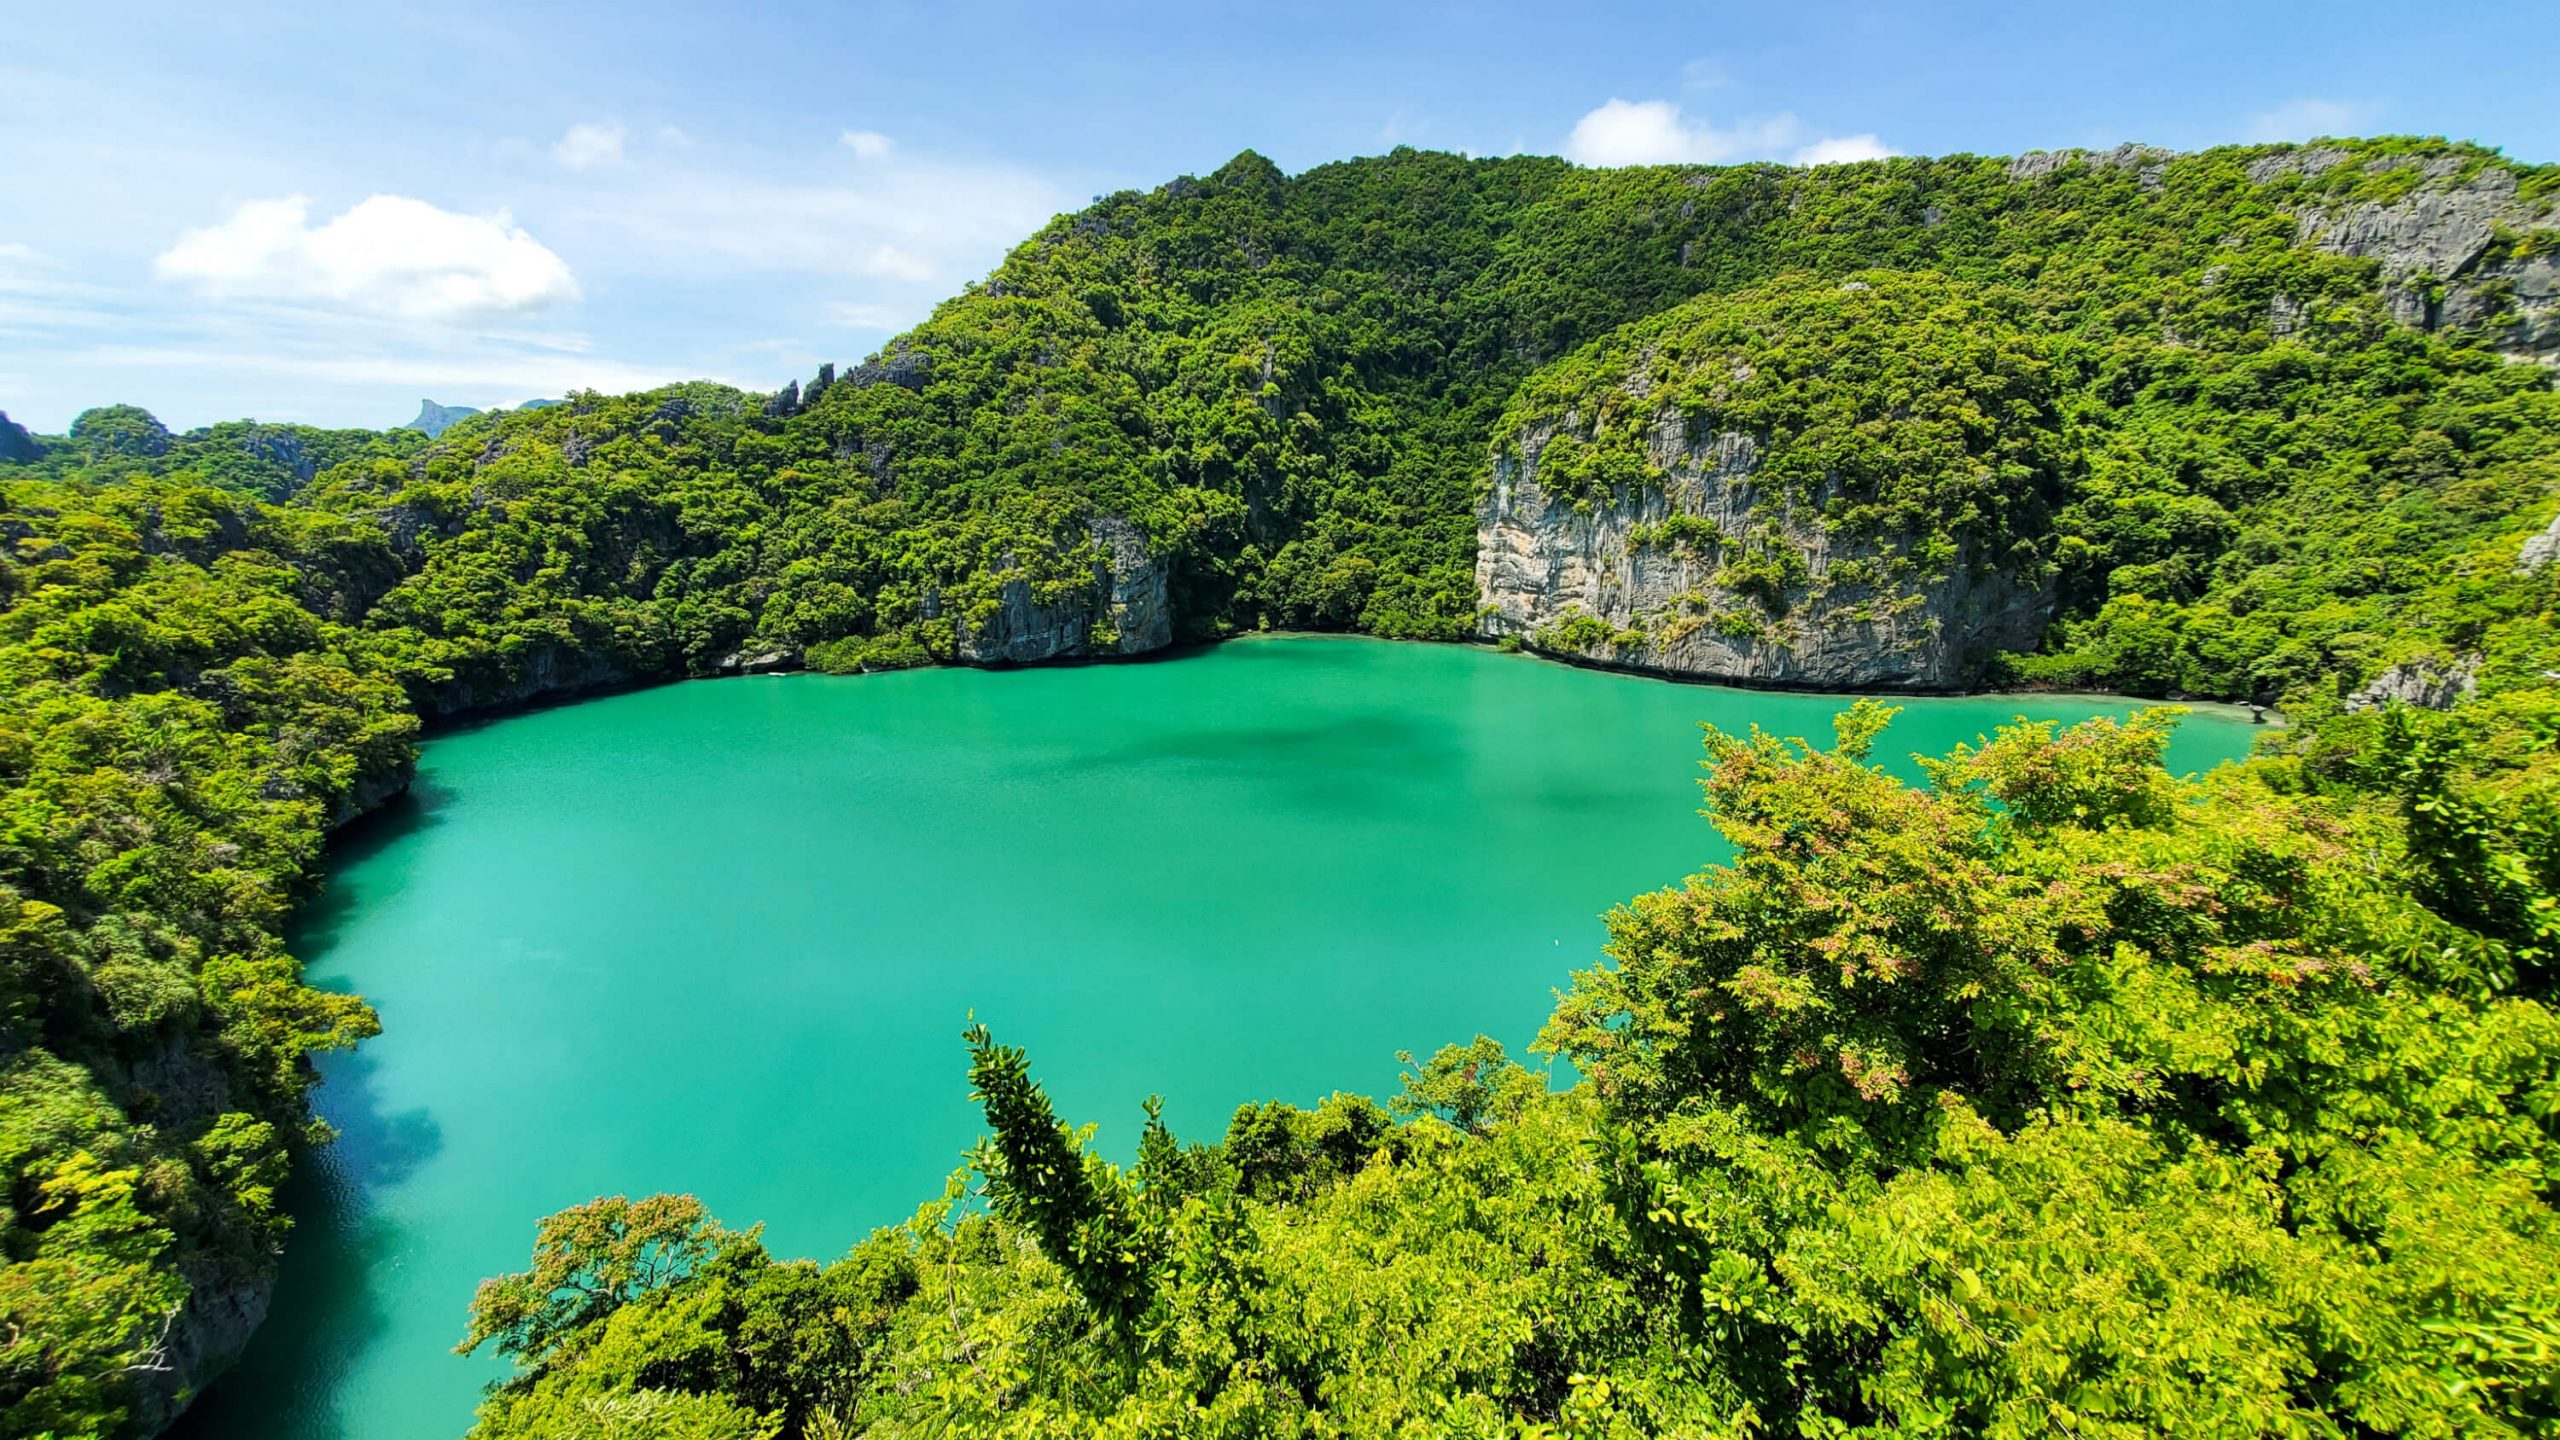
(434, 419)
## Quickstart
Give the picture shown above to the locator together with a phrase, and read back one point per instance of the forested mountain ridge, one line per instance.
(2243, 423)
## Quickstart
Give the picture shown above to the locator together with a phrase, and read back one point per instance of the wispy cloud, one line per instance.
(896, 218)
(1657, 132)
(1404, 125)
(2308, 119)
(388, 255)
(235, 357)
(1705, 73)
(483, 374)
(867, 144)
(589, 145)
(38, 297)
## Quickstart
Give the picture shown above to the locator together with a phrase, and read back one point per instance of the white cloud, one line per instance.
(2308, 119)
(589, 145)
(1656, 132)
(891, 263)
(1843, 150)
(868, 144)
(389, 254)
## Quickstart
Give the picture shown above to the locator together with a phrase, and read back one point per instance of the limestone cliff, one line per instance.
(1124, 611)
(2426, 684)
(1599, 582)
(543, 672)
(2464, 249)
(1828, 484)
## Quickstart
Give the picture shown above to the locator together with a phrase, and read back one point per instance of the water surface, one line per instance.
(722, 937)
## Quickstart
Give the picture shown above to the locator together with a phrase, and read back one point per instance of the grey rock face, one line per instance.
(371, 793)
(2539, 550)
(225, 1300)
(2146, 160)
(2423, 683)
(2308, 160)
(899, 363)
(551, 670)
(758, 662)
(2447, 234)
(15, 443)
(282, 448)
(1124, 612)
(1546, 568)
(208, 1332)
(434, 419)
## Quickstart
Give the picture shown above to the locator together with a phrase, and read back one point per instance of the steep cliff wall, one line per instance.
(1633, 582)
(1122, 611)
(2464, 249)
(2462, 243)
(1826, 484)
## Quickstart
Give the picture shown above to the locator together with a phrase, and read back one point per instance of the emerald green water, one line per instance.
(723, 937)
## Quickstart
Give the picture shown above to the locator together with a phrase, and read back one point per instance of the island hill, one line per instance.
(2269, 422)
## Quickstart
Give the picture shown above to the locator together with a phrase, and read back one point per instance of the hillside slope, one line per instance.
(2254, 422)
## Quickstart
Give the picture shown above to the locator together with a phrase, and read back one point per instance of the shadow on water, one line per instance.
(326, 1312)
(1378, 741)
(414, 810)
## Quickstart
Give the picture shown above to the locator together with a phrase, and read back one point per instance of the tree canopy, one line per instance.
(2058, 1095)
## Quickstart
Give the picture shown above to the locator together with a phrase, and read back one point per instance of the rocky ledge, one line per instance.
(1642, 579)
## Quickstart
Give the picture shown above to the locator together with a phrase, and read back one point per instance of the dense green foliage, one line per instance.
(2101, 1103)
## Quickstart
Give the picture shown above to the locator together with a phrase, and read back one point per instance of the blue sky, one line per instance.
(325, 212)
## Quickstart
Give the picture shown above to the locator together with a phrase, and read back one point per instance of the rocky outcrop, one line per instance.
(2539, 550)
(2426, 684)
(547, 671)
(2148, 162)
(200, 1341)
(1633, 581)
(183, 1083)
(901, 362)
(2457, 252)
(16, 444)
(1123, 612)
(758, 662)
(2460, 250)
(372, 792)
(434, 419)
(281, 446)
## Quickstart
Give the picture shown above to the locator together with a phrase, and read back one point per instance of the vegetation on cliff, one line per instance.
(2106, 1105)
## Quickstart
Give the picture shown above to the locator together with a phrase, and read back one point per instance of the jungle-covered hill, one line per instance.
(2115, 1104)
